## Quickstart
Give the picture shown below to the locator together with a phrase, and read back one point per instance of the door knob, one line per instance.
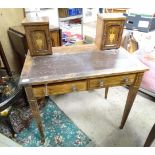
(46, 90)
(126, 80)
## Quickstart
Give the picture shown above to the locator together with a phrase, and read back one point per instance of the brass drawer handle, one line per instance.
(126, 80)
(74, 88)
(101, 83)
(46, 90)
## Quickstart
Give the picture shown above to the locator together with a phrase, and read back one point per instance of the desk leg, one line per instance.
(106, 92)
(35, 111)
(133, 89)
(150, 137)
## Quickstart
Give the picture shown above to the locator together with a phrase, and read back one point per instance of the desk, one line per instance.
(79, 68)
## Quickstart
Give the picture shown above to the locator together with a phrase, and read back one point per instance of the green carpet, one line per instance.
(59, 130)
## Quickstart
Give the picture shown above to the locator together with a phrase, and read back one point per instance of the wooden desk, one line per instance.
(79, 68)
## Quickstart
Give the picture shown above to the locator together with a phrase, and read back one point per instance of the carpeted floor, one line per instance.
(59, 130)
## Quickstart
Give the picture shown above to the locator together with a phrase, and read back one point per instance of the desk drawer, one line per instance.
(67, 87)
(59, 88)
(111, 81)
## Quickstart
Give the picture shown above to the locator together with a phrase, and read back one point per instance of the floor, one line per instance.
(100, 118)
(6, 142)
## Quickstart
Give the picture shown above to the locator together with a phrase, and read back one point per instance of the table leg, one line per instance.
(8, 122)
(35, 111)
(133, 89)
(106, 92)
(150, 137)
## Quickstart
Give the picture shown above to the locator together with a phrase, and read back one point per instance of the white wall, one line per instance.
(52, 13)
(90, 15)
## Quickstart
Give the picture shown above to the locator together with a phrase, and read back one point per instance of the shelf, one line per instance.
(70, 18)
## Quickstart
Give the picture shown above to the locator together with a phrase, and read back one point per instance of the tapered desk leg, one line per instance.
(35, 111)
(133, 89)
(106, 92)
(150, 137)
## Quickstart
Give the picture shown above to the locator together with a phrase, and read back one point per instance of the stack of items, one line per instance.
(74, 11)
(67, 12)
(69, 38)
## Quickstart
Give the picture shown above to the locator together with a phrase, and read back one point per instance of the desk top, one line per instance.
(78, 62)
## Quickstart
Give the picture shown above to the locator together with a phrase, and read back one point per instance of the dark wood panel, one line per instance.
(5, 62)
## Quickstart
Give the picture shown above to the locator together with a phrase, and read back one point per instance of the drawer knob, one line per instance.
(46, 90)
(74, 88)
(126, 80)
(100, 83)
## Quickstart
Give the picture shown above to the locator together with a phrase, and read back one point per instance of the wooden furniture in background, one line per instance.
(116, 10)
(150, 137)
(55, 36)
(79, 68)
(109, 30)
(37, 35)
(5, 62)
(18, 42)
(63, 12)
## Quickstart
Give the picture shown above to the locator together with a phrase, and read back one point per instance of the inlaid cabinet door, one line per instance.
(109, 30)
(38, 40)
(38, 36)
(55, 36)
(112, 34)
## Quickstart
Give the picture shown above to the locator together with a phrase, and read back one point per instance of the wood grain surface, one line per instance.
(78, 62)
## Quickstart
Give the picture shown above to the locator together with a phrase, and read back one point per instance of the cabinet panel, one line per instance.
(109, 30)
(38, 36)
(39, 40)
(112, 34)
(55, 36)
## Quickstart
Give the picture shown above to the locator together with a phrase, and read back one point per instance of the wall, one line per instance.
(9, 17)
(52, 14)
(90, 14)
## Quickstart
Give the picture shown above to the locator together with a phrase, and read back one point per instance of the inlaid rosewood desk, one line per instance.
(79, 68)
